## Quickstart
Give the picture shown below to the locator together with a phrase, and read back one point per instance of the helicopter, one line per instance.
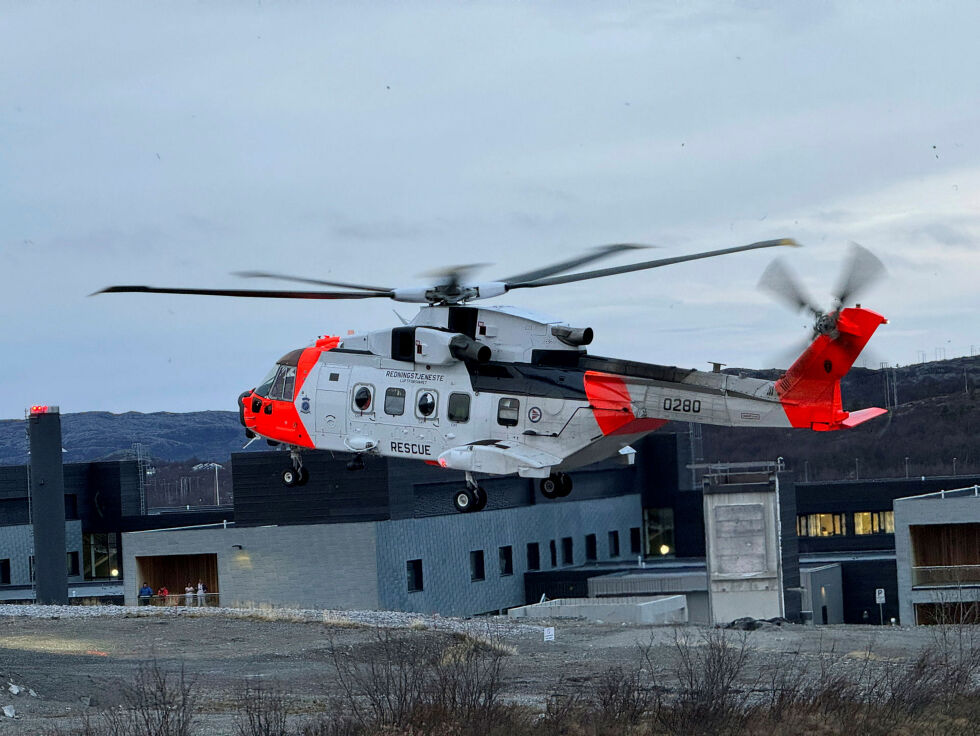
(502, 390)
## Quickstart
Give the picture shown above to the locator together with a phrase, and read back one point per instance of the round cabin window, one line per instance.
(362, 398)
(427, 403)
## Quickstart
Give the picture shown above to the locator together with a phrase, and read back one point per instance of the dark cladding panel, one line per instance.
(48, 508)
(792, 595)
(13, 481)
(333, 494)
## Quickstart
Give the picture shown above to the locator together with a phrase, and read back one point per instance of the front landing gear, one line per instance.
(471, 498)
(296, 475)
(556, 485)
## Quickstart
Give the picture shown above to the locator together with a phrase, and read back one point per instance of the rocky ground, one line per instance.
(60, 663)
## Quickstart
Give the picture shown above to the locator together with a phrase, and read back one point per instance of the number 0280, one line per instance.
(692, 406)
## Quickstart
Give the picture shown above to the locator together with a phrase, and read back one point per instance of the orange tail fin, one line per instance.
(810, 389)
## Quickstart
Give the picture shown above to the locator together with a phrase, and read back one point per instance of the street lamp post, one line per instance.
(216, 468)
(906, 466)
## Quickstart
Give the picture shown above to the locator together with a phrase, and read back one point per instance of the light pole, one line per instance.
(906, 466)
(954, 466)
(216, 468)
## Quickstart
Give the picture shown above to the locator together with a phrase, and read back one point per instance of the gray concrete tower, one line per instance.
(47, 501)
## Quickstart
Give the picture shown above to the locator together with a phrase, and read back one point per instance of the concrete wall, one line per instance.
(444, 543)
(921, 512)
(741, 522)
(316, 565)
(652, 611)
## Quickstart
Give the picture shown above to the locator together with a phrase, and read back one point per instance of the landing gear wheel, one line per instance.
(466, 500)
(481, 499)
(304, 476)
(551, 486)
(290, 477)
(564, 484)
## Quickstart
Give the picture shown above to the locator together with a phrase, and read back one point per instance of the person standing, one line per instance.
(202, 591)
(189, 594)
(146, 593)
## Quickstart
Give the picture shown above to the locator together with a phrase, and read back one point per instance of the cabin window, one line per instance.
(426, 404)
(459, 408)
(266, 385)
(508, 412)
(395, 401)
(363, 397)
(279, 386)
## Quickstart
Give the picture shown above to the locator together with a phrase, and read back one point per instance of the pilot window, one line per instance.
(426, 404)
(459, 408)
(508, 412)
(282, 384)
(363, 398)
(395, 402)
(263, 389)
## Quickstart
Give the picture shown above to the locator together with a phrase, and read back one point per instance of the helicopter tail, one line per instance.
(810, 389)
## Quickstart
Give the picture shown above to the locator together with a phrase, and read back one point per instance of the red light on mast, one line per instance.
(38, 409)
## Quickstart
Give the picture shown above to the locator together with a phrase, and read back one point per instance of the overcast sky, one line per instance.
(172, 143)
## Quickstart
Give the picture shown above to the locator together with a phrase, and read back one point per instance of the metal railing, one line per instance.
(946, 575)
(208, 600)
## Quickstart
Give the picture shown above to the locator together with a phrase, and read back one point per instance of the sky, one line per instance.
(172, 144)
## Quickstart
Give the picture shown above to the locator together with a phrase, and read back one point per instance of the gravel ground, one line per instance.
(76, 659)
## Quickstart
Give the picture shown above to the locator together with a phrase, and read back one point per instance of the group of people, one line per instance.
(191, 595)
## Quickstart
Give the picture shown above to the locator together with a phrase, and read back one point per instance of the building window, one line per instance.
(591, 551)
(567, 556)
(635, 547)
(533, 556)
(820, 525)
(506, 561)
(508, 412)
(100, 555)
(73, 563)
(614, 544)
(476, 566)
(874, 522)
(414, 570)
(554, 553)
(659, 525)
(395, 402)
(4, 572)
(459, 408)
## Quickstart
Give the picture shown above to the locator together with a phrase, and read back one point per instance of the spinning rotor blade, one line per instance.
(269, 294)
(599, 273)
(595, 254)
(779, 281)
(452, 276)
(863, 269)
(304, 280)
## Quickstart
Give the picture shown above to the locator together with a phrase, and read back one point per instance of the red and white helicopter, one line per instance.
(501, 390)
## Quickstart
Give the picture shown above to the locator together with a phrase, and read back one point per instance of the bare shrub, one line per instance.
(262, 710)
(707, 669)
(158, 703)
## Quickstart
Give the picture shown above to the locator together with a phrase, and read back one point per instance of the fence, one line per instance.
(182, 599)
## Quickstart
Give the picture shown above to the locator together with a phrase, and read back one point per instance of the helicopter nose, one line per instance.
(241, 405)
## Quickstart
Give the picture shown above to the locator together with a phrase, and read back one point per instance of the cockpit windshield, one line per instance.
(279, 383)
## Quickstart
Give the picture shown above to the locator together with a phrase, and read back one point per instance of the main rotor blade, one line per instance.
(305, 280)
(599, 273)
(268, 294)
(779, 281)
(863, 269)
(592, 255)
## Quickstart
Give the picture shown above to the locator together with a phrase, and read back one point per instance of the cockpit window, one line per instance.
(279, 384)
(263, 389)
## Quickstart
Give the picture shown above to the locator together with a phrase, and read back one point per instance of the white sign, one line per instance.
(879, 595)
(549, 633)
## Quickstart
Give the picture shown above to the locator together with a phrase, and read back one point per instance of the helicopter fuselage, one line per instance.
(502, 391)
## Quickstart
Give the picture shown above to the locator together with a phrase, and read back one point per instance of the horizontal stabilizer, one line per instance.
(861, 416)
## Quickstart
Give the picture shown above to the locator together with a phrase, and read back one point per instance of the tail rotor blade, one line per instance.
(862, 270)
(779, 281)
